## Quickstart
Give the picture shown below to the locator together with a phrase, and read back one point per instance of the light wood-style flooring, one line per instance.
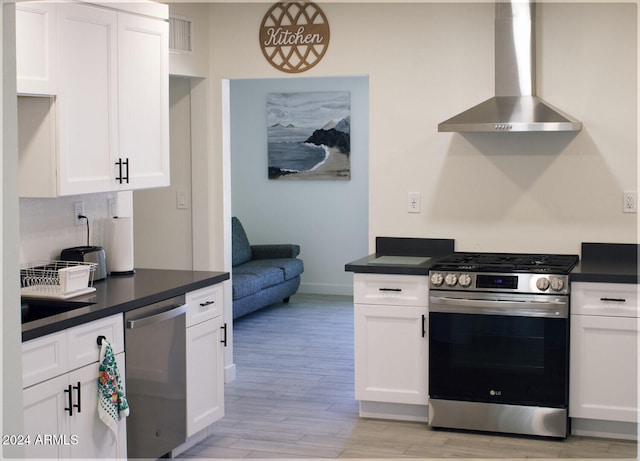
(293, 398)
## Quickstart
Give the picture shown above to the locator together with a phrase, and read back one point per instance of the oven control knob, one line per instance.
(464, 280)
(542, 284)
(451, 279)
(436, 279)
(557, 284)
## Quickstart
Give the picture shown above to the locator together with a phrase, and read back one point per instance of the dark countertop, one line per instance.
(369, 265)
(405, 256)
(119, 294)
(600, 262)
(607, 263)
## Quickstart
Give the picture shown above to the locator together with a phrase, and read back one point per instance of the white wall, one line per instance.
(10, 356)
(327, 218)
(162, 226)
(428, 61)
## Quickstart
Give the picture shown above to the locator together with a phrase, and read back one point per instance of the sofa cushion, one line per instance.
(245, 285)
(275, 250)
(268, 275)
(290, 268)
(240, 247)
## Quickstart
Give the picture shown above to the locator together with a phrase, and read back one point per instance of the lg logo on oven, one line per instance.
(493, 392)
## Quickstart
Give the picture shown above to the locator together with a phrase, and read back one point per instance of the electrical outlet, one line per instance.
(630, 202)
(78, 209)
(415, 199)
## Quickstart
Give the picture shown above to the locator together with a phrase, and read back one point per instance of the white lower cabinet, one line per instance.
(61, 406)
(59, 432)
(603, 397)
(44, 413)
(391, 354)
(206, 339)
(391, 345)
(205, 375)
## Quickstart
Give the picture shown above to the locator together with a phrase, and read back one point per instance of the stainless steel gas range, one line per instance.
(499, 342)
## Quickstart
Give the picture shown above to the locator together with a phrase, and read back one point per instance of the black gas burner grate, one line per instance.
(507, 262)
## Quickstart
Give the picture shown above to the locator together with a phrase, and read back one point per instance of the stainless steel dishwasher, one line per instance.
(155, 345)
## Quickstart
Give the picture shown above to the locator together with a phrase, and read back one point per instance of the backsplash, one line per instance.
(47, 224)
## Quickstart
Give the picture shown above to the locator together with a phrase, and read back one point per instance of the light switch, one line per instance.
(414, 202)
(181, 200)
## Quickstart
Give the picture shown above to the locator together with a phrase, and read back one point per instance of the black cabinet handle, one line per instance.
(207, 303)
(618, 300)
(390, 289)
(224, 337)
(78, 406)
(119, 177)
(70, 400)
(126, 163)
(423, 329)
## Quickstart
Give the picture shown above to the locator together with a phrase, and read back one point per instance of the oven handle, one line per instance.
(516, 308)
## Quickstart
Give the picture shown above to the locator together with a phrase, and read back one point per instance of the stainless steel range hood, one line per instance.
(515, 107)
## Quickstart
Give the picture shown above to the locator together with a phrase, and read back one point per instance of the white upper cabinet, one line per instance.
(143, 82)
(36, 46)
(111, 106)
(88, 98)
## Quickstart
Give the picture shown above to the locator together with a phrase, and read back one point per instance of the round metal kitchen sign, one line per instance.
(294, 35)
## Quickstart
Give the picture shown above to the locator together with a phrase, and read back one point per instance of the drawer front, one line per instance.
(204, 304)
(397, 290)
(610, 299)
(44, 358)
(83, 345)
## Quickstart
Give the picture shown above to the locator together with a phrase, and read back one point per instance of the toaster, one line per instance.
(88, 254)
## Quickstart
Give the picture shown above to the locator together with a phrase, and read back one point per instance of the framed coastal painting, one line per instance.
(309, 135)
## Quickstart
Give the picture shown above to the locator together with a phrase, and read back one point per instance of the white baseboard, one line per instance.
(604, 429)
(326, 289)
(229, 373)
(395, 411)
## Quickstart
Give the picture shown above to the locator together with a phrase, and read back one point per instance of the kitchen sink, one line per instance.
(35, 309)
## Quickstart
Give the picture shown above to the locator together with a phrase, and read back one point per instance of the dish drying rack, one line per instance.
(57, 279)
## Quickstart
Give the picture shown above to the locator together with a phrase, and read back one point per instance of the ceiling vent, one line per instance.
(180, 35)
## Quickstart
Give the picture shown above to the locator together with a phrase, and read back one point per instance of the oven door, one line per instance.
(499, 348)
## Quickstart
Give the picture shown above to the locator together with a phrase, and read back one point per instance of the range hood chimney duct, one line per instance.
(515, 106)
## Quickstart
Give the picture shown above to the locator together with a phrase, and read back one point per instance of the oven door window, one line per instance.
(498, 359)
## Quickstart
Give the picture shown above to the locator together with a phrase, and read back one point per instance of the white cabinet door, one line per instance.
(205, 374)
(87, 99)
(45, 414)
(95, 439)
(36, 46)
(604, 368)
(143, 83)
(391, 353)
